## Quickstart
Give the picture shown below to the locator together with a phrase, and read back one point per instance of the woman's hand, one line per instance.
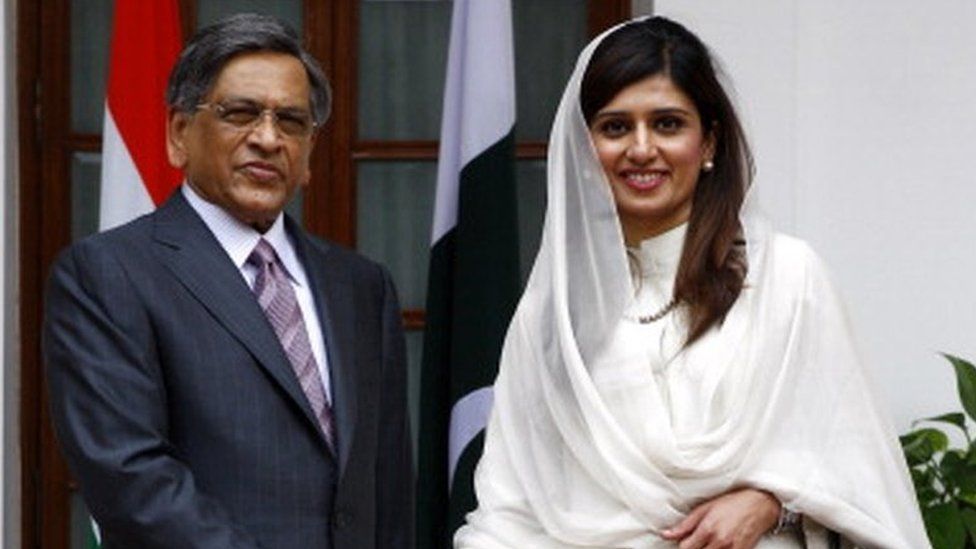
(735, 520)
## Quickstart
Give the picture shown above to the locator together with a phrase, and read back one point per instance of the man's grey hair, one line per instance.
(212, 47)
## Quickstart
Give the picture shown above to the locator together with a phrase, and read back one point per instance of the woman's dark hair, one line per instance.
(712, 268)
(212, 47)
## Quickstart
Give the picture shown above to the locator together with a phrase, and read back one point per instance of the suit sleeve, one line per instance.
(394, 466)
(109, 408)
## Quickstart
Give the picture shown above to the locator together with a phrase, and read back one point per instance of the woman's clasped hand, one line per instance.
(735, 520)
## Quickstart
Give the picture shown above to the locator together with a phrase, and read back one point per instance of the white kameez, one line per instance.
(605, 432)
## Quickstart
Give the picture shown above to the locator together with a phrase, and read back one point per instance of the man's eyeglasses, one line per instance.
(244, 116)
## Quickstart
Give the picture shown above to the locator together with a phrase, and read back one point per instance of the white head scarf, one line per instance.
(790, 409)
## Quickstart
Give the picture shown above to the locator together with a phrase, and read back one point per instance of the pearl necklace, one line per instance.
(647, 319)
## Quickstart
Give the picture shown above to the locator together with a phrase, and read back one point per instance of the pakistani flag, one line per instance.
(474, 275)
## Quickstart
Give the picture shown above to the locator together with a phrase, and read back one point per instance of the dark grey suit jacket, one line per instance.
(178, 411)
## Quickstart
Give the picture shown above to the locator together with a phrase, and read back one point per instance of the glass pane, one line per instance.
(395, 202)
(415, 346)
(531, 178)
(91, 31)
(86, 170)
(403, 55)
(394, 207)
(402, 59)
(289, 11)
(82, 532)
(549, 34)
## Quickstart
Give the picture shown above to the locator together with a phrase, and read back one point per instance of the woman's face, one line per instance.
(650, 141)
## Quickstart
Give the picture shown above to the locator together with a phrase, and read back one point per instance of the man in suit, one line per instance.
(218, 378)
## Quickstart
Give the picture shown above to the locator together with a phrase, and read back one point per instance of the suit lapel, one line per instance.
(333, 290)
(189, 250)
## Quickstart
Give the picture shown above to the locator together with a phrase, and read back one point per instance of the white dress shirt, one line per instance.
(654, 345)
(239, 240)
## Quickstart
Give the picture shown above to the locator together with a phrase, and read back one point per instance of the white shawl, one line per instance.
(790, 407)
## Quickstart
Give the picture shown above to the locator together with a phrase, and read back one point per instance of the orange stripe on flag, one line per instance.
(145, 44)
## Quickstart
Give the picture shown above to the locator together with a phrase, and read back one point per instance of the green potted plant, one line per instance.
(945, 475)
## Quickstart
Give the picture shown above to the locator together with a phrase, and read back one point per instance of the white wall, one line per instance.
(9, 342)
(863, 124)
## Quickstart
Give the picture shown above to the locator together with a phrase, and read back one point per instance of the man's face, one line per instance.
(249, 167)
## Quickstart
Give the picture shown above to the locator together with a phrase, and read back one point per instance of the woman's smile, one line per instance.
(643, 180)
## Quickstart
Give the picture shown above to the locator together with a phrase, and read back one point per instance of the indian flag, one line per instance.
(474, 275)
(136, 177)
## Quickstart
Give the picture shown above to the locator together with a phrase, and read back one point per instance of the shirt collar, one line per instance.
(661, 254)
(239, 239)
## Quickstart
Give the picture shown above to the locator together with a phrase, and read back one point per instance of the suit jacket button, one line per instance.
(341, 519)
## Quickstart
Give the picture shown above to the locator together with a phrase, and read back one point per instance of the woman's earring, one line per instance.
(708, 165)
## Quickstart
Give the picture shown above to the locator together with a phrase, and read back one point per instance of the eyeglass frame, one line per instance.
(219, 109)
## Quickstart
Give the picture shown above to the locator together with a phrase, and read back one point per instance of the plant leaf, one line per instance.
(965, 383)
(920, 445)
(952, 467)
(958, 472)
(922, 476)
(938, 439)
(908, 438)
(969, 521)
(945, 527)
(969, 498)
(928, 495)
(924, 480)
(966, 478)
(955, 418)
(918, 452)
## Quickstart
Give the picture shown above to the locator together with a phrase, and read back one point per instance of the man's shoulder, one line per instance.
(137, 228)
(103, 263)
(132, 235)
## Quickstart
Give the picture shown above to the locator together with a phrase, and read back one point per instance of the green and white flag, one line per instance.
(473, 284)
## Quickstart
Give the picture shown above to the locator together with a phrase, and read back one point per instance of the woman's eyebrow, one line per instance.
(658, 111)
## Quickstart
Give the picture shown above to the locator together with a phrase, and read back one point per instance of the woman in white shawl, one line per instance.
(676, 374)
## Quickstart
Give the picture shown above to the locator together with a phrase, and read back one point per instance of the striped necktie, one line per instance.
(277, 298)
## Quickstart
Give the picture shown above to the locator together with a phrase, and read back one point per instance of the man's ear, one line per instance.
(308, 168)
(177, 130)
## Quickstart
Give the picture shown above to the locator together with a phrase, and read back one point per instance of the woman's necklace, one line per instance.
(647, 319)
